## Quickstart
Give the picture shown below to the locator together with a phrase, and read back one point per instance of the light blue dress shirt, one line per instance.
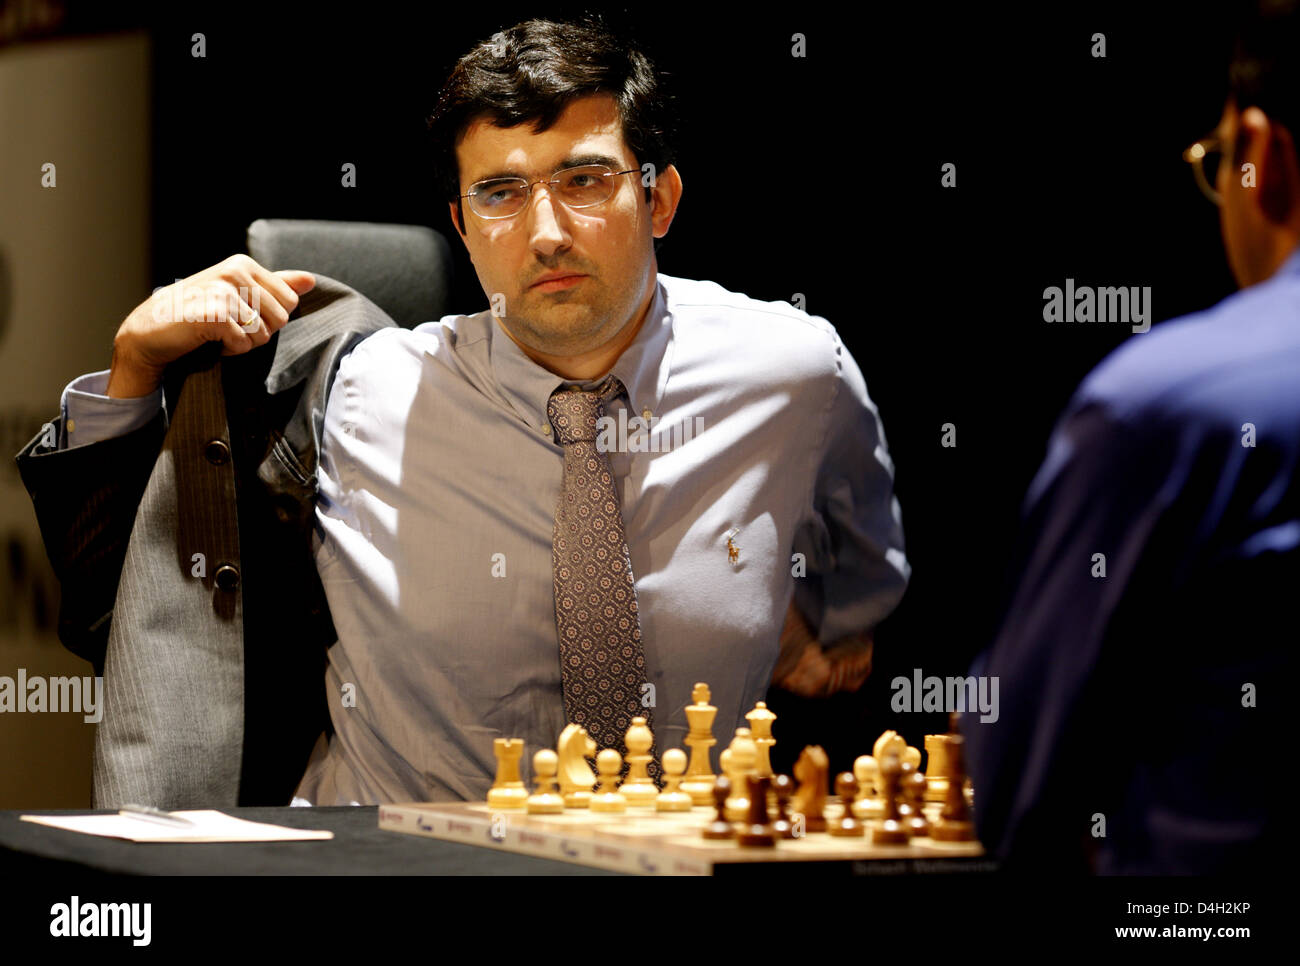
(438, 482)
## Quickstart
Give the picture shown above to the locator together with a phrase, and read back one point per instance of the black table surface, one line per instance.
(359, 847)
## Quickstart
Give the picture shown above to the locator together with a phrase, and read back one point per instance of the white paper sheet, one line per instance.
(209, 826)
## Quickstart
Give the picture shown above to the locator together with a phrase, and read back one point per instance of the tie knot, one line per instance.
(573, 412)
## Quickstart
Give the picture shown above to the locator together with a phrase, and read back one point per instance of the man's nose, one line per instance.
(547, 233)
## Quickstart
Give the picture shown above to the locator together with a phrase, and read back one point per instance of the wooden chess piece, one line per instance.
(810, 800)
(672, 798)
(507, 789)
(757, 830)
(846, 825)
(954, 728)
(936, 769)
(720, 828)
(576, 776)
(545, 800)
(890, 831)
(955, 824)
(783, 786)
(914, 788)
(905, 811)
(607, 798)
(699, 773)
(760, 726)
(741, 761)
(867, 805)
(638, 787)
(889, 741)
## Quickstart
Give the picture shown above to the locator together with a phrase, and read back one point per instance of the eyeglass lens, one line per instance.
(576, 187)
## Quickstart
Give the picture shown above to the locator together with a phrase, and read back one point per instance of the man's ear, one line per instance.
(1280, 188)
(454, 210)
(665, 196)
(1257, 144)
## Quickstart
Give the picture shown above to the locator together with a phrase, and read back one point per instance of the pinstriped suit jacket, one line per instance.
(213, 664)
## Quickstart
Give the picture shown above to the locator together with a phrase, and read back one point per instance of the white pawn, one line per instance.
(607, 798)
(672, 798)
(742, 763)
(639, 788)
(868, 803)
(546, 800)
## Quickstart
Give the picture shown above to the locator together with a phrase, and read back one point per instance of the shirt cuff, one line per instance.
(90, 416)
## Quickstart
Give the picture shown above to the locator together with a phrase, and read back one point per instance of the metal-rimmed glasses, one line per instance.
(583, 186)
(1205, 156)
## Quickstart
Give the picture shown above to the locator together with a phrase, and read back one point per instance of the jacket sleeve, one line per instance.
(86, 500)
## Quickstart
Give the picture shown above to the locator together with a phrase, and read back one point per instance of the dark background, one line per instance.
(1067, 166)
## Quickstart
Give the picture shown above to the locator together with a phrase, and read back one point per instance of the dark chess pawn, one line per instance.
(914, 785)
(757, 829)
(720, 828)
(955, 823)
(909, 809)
(846, 786)
(891, 830)
(784, 788)
(810, 798)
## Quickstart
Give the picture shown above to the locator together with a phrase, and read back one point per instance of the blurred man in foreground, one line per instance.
(1143, 652)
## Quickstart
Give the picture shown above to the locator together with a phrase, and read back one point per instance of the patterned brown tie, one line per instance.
(601, 659)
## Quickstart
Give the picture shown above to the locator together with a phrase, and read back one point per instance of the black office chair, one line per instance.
(404, 269)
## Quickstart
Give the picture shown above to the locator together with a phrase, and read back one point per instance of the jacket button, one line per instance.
(227, 577)
(217, 452)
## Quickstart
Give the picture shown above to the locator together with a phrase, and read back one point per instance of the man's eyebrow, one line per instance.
(572, 161)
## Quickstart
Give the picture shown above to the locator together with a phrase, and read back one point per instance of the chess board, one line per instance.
(660, 843)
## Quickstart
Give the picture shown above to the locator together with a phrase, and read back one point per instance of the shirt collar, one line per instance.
(642, 368)
(1291, 266)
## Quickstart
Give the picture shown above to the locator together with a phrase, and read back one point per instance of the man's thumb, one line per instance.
(298, 280)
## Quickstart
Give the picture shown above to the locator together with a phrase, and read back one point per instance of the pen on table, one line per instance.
(151, 814)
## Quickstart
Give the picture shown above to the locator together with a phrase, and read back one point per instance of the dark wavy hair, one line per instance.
(1265, 67)
(532, 72)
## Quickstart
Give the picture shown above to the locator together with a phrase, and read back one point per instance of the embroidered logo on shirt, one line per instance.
(733, 551)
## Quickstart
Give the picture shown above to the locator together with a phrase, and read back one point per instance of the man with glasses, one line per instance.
(607, 487)
(1143, 658)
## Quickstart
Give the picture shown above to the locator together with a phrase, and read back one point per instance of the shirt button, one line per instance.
(72, 425)
(546, 428)
(227, 577)
(217, 452)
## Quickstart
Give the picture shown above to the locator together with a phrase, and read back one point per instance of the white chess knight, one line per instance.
(576, 776)
(891, 742)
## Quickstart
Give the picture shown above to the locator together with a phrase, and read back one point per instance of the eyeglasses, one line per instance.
(1205, 156)
(583, 186)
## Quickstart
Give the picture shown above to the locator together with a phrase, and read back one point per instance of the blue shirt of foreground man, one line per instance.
(1141, 720)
